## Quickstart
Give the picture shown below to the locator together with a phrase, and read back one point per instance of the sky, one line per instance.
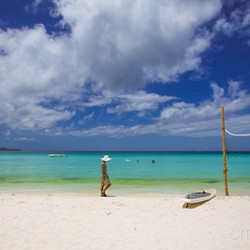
(133, 75)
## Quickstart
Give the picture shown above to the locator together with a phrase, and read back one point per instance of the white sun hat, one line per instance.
(106, 158)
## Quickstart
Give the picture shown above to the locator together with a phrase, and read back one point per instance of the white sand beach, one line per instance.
(78, 221)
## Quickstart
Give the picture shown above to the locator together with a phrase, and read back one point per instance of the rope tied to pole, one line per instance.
(232, 134)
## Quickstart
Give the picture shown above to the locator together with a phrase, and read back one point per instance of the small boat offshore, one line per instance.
(57, 155)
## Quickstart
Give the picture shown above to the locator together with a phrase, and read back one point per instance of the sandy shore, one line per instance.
(74, 221)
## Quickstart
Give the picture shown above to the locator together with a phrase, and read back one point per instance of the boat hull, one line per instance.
(204, 196)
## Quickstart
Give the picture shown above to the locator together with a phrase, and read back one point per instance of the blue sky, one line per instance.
(124, 74)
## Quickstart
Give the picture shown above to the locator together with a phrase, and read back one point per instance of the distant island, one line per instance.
(8, 149)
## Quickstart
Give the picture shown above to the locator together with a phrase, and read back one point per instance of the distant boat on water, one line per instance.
(57, 155)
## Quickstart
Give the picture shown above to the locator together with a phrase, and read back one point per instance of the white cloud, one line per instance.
(123, 43)
(7, 133)
(138, 101)
(85, 118)
(117, 45)
(25, 139)
(98, 98)
(187, 119)
(237, 21)
(32, 74)
(34, 6)
(204, 119)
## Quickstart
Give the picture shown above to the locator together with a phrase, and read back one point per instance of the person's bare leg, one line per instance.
(106, 188)
(102, 187)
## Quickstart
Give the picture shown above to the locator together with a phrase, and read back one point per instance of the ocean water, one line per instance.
(171, 173)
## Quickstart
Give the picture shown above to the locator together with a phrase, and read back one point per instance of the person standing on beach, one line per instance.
(105, 182)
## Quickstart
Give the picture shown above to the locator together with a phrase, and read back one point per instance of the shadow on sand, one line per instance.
(108, 196)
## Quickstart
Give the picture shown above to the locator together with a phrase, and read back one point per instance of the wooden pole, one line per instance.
(224, 150)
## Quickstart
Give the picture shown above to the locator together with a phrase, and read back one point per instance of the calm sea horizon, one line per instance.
(130, 172)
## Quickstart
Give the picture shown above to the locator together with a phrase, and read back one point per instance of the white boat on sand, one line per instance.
(199, 196)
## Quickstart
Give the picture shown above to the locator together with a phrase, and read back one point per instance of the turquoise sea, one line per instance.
(172, 173)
